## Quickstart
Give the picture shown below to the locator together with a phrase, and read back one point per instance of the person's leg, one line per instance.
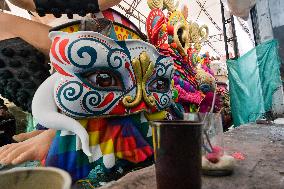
(34, 33)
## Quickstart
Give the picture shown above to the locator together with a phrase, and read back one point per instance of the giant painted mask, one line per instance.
(103, 77)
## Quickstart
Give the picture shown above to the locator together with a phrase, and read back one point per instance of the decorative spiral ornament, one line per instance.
(162, 68)
(155, 4)
(82, 53)
(116, 58)
(68, 96)
(164, 100)
(161, 71)
(70, 91)
(128, 101)
(91, 100)
(170, 5)
(151, 101)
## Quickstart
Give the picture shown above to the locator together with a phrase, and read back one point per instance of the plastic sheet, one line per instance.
(253, 78)
(240, 8)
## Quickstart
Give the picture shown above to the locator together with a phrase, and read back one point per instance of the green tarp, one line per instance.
(253, 78)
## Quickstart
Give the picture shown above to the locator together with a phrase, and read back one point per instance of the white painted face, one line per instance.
(98, 73)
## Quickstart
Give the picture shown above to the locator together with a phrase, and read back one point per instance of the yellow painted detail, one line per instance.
(119, 155)
(156, 116)
(83, 122)
(71, 29)
(94, 138)
(107, 147)
(123, 33)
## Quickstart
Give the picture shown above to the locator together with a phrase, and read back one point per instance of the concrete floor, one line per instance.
(262, 168)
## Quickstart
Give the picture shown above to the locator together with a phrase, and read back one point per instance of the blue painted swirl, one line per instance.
(84, 52)
(165, 100)
(90, 100)
(162, 69)
(69, 92)
(114, 58)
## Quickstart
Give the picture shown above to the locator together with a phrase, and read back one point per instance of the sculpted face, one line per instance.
(103, 77)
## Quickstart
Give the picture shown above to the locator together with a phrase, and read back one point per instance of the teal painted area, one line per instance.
(67, 144)
(112, 34)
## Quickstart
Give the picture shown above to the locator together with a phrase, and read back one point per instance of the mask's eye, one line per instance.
(104, 80)
(161, 85)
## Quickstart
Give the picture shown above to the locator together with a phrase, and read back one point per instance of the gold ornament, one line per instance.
(181, 31)
(202, 77)
(162, 4)
(197, 35)
(143, 69)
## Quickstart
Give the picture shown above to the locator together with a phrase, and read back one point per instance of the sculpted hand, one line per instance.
(35, 148)
(25, 136)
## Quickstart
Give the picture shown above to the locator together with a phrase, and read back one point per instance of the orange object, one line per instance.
(171, 30)
(174, 45)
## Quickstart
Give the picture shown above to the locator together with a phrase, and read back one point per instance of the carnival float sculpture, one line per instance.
(101, 98)
(174, 36)
(109, 87)
(195, 87)
(108, 84)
